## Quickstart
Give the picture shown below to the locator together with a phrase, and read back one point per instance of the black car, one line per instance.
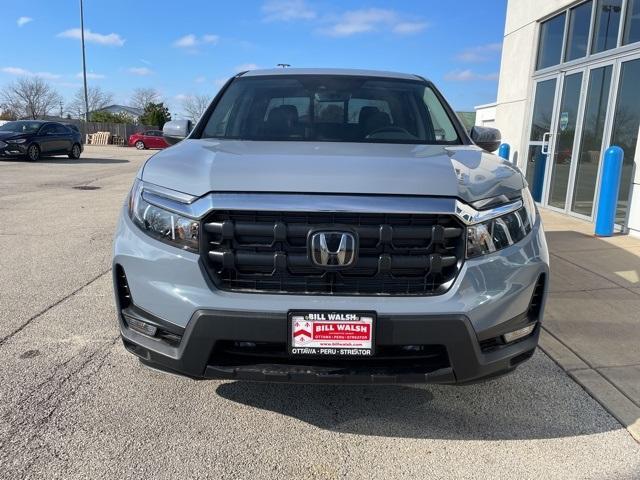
(38, 138)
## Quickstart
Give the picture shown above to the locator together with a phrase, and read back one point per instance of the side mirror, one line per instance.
(176, 130)
(487, 138)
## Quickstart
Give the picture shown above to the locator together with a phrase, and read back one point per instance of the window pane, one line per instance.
(592, 131)
(578, 37)
(563, 151)
(550, 44)
(605, 34)
(542, 109)
(632, 26)
(625, 129)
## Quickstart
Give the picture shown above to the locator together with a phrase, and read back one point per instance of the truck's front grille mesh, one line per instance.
(398, 254)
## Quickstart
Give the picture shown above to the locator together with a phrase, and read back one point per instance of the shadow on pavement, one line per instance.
(61, 160)
(83, 160)
(537, 403)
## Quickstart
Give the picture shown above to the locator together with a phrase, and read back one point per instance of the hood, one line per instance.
(6, 135)
(198, 167)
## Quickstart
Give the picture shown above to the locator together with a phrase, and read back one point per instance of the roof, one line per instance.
(123, 108)
(330, 71)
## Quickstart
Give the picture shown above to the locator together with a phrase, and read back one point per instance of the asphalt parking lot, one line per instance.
(74, 404)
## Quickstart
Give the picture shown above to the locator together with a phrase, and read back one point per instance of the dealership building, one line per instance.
(569, 88)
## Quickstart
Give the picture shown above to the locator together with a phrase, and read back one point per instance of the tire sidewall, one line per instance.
(140, 145)
(37, 149)
(74, 149)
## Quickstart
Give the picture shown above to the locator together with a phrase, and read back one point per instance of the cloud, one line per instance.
(22, 21)
(68, 84)
(469, 76)
(409, 28)
(91, 75)
(368, 20)
(140, 71)
(200, 79)
(210, 38)
(112, 39)
(27, 73)
(245, 66)
(219, 82)
(481, 53)
(192, 41)
(287, 11)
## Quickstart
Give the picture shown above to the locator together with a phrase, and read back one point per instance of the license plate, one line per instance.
(329, 333)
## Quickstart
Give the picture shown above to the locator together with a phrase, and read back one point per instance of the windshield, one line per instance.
(20, 127)
(331, 109)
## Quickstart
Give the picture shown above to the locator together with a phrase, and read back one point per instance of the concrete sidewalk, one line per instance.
(592, 319)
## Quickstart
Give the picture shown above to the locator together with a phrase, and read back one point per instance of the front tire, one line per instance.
(140, 145)
(33, 153)
(75, 152)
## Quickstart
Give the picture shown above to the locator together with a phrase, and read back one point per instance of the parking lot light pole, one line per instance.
(84, 65)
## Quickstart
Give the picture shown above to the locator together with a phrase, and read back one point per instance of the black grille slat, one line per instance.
(399, 254)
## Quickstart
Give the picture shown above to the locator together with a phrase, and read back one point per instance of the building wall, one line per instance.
(518, 58)
(486, 115)
(513, 106)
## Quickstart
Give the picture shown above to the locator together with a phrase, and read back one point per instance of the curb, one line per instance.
(594, 383)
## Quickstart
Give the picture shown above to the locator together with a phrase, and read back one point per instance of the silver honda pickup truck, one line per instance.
(330, 226)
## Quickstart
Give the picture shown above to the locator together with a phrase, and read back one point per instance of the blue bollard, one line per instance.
(538, 176)
(609, 188)
(504, 150)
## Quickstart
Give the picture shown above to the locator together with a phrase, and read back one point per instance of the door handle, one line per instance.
(544, 148)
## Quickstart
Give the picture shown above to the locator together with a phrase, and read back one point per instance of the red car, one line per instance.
(148, 139)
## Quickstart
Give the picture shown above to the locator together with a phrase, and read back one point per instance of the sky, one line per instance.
(189, 47)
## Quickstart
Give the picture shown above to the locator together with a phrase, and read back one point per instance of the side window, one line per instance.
(357, 104)
(49, 128)
(442, 126)
(61, 129)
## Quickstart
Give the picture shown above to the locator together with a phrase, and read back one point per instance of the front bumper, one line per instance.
(169, 288)
(12, 149)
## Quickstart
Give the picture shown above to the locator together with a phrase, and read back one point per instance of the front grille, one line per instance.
(398, 254)
(229, 352)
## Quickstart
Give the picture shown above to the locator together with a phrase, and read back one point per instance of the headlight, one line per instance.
(17, 140)
(502, 231)
(163, 225)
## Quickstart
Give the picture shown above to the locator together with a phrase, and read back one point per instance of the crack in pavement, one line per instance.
(46, 309)
(26, 425)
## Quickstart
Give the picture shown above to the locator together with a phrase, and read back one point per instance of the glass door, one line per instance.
(563, 141)
(585, 177)
(626, 123)
(542, 119)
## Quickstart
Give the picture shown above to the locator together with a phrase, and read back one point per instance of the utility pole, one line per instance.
(61, 112)
(84, 65)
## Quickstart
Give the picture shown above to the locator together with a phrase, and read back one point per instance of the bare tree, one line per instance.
(97, 99)
(30, 97)
(144, 96)
(195, 105)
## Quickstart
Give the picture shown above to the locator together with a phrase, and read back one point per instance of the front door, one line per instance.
(542, 120)
(563, 140)
(566, 145)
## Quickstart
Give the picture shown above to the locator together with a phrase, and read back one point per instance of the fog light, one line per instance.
(140, 326)
(518, 334)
